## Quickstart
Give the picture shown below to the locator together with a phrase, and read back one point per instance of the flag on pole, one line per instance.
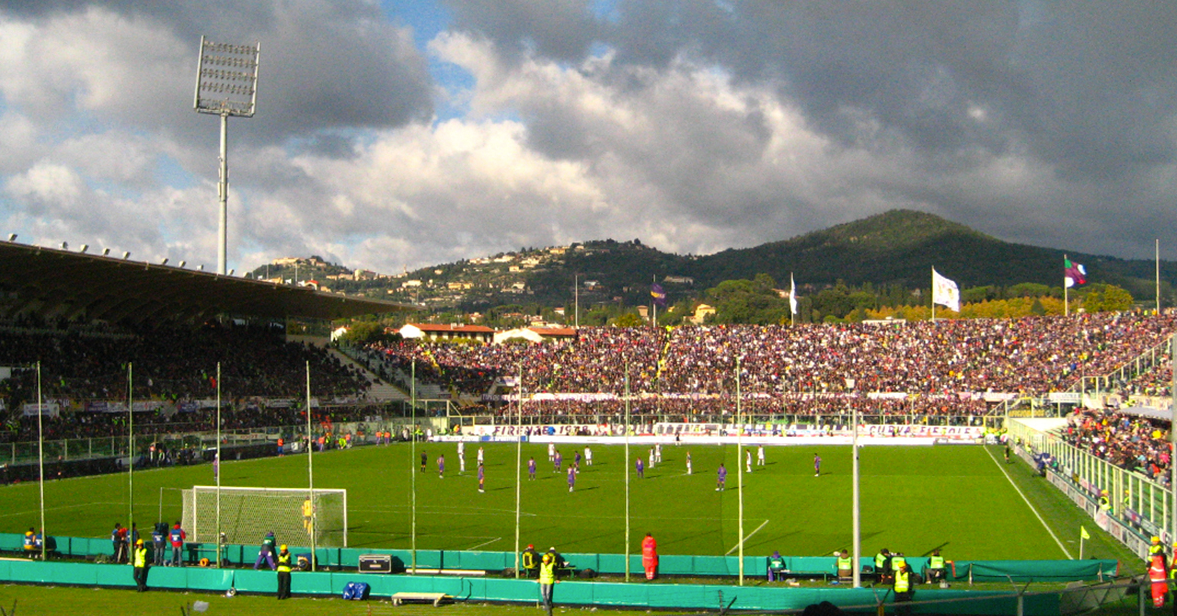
(1073, 273)
(1083, 533)
(945, 292)
(792, 295)
(658, 294)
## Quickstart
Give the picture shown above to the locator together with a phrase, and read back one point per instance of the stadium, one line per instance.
(1021, 453)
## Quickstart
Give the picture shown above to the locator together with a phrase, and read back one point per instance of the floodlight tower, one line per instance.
(226, 85)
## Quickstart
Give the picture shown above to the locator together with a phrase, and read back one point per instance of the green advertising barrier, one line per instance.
(614, 564)
(671, 596)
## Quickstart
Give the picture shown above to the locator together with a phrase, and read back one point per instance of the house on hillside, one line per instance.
(702, 311)
(537, 334)
(434, 332)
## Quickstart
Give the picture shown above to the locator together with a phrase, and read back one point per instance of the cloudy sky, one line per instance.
(402, 134)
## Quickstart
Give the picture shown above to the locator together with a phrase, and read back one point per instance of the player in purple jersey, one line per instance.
(481, 478)
(641, 467)
(722, 478)
(571, 477)
(558, 460)
(531, 469)
(441, 466)
(816, 465)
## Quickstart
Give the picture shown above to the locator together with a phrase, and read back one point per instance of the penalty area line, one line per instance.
(1036, 514)
(746, 537)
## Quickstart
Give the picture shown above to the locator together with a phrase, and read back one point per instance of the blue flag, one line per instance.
(658, 294)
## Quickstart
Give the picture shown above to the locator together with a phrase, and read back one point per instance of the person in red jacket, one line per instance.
(650, 556)
(1157, 575)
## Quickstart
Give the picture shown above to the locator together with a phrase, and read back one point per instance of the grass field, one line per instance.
(914, 499)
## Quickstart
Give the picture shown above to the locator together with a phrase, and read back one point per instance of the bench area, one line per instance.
(436, 598)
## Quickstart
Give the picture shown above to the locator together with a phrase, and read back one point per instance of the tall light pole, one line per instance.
(226, 85)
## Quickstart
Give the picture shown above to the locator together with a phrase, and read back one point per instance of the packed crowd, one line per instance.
(173, 364)
(1128, 441)
(1031, 355)
(724, 408)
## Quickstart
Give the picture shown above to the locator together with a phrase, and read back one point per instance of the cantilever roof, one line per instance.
(57, 283)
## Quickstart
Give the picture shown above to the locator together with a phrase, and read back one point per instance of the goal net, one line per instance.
(247, 514)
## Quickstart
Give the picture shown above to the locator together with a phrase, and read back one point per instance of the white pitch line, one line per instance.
(1038, 515)
(737, 546)
(472, 548)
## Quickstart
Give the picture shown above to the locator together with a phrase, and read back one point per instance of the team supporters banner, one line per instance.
(765, 431)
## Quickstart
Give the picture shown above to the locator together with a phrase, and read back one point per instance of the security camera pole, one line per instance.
(226, 85)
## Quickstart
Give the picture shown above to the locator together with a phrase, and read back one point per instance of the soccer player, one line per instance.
(722, 478)
(576, 459)
(308, 515)
(651, 457)
(760, 455)
(658, 453)
(688, 463)
(531, 468)
(480, 458)
(424, 460)
(588, 456)
(641, 467)
(748, 460)
(551, 452)
(481, 475)
(571, 477)
(816, 465)
(441, 466)
(558, 461)
(461, 457)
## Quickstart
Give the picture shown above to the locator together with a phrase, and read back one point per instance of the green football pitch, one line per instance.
(961, 499)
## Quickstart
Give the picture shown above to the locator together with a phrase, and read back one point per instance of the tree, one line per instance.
(629, 319)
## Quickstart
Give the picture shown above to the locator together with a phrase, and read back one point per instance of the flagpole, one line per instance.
(217, 466)
(412, 461)
(311, 483)
(933, 293)
(625, 467)
(654, 304)
(518, 461)
(1066, 303)
(41, 459)
(130, 453)
(740, 468)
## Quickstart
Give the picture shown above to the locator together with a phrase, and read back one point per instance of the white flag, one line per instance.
(945, 292)
(792, 294)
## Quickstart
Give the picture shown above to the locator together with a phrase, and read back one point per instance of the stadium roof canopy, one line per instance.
(57, 283)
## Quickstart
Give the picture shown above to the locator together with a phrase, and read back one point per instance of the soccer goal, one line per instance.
(247, 514)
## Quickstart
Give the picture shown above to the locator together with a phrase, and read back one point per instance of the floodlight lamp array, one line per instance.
(226, 79)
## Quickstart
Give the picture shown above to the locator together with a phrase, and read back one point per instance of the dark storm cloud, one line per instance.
(324, 64)
(559, 29)
(1077, 96)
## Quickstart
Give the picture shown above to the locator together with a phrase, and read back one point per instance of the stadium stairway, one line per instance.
(378, 391)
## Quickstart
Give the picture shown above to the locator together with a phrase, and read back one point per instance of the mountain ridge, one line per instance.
(897, 247)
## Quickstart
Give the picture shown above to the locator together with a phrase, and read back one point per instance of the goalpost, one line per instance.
(247, 514)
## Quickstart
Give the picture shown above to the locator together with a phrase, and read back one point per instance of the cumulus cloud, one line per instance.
(695, 126)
